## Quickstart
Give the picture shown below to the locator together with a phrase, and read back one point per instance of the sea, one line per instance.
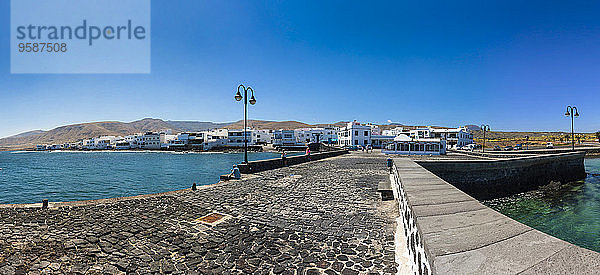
(571, 213)
(31, 176)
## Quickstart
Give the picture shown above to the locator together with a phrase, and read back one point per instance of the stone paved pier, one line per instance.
(318, 217)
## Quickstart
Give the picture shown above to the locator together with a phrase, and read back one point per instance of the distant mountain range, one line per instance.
(27, 134)
(276, 125)
(195, 126)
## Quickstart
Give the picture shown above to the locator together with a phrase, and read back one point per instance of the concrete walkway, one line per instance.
(462, 236)
(318, 217)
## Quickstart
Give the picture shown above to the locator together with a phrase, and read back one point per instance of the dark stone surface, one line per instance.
(269, 164)
(310, 217)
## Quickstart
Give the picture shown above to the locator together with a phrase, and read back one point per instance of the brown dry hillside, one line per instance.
(276, 125)
(72, 133)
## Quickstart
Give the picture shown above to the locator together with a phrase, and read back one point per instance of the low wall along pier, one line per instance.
(269, 164)
(450, 232)
(489, 179)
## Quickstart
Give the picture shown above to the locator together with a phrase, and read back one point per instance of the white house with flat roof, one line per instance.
(151, 141)
(320, 135)
(354, 134)
(455, 137)
(394, 132)
(284, 138)
(405, 145)
(263, 136)
(236, 138)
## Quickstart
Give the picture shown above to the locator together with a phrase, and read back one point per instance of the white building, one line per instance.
(215, 142)
(317, 135)
(89, 144)
(236, 138)
(394, 132)
(135, 141)
(166, 139)
(375, 130)
(456, 137)
(379, 141)
(263, 136)
(329, 135)
(219, 132)
(122, 144)
(284, 138)
(354, 134)
(190, 140)
(404, 144)
(303, 137)
(151, 141)
(104, 142)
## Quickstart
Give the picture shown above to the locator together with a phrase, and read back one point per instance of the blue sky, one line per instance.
(509, 64)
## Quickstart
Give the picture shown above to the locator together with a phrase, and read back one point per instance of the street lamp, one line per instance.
(239, 97)
(572, 111)
(485, 128)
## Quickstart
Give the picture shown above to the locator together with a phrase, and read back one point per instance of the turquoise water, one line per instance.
(27, 177)
(571, 213)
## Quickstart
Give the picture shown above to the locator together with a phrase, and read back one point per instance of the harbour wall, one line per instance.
(450, 232)
(489, 179)
(268, 164)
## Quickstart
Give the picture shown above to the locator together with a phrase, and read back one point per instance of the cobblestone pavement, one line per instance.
(319, 217)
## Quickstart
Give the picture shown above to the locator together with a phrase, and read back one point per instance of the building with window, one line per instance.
(395, 132)
(236, 138)
(354, 134)
(263, 136)
(283, 138)
(379, 141)
(455, 137)
(406, 145)
(151, 141)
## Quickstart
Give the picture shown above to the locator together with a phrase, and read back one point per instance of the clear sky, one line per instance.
(514, 65)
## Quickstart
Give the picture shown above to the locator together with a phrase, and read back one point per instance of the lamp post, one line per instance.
(238, 97)
(485, 128)
(572, 111)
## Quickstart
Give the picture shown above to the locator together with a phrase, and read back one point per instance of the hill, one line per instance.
(196, 126)
(75, 132)
(276, 125)
(26, 134)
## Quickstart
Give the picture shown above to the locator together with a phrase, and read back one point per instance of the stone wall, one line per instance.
(488, 179)
(268, 164)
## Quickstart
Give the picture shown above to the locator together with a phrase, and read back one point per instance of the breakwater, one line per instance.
(269, 164)
(489, 179)
(450, 232)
